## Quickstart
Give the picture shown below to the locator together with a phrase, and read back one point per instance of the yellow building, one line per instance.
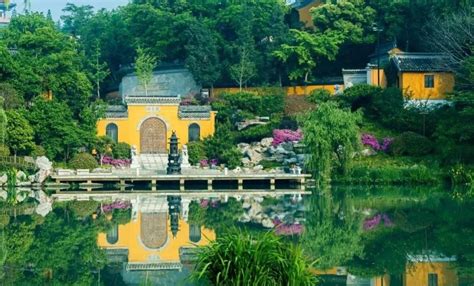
(423, 75)
(304, 10)
(148, 117)
(158, 235)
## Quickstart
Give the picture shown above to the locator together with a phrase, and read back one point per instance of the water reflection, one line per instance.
(358, 236)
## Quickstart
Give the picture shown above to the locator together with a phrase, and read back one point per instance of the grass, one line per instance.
(239, 258)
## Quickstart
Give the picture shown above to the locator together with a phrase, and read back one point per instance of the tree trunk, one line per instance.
(306, 83)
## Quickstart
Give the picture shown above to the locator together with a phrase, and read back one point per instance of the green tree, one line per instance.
(3, 123)
(244, 70)
(19, 133)
(354, 19)
(144, 65)
(12, 99)
(99, 70)
(331, 138)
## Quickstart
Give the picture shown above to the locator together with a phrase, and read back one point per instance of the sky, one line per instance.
(57, 5)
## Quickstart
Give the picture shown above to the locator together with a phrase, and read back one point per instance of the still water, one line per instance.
(358, 236)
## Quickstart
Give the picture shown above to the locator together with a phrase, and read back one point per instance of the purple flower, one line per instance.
(373, 222)
(371, 140)
(116, 205)
(286, 135)
(214, 162)
(204, 163)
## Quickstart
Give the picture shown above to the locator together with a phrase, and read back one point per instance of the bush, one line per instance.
(4, 220)
(231, 157)
(386, 106)
(196, 152)
(319, 95)
(288, 123)
(265, 103)
(121, 150)
(360, 95)
(83, 161)
(255, 133)
(38, 151)
(242, 259)
(122, 216)
(4, 151)
(411, 144)
(83, 209)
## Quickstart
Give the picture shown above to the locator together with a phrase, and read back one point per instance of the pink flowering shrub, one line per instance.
(375, 221)
(287, 229)
(204, 163)
(117, 205)
(116, 162)
(371, 140)
(286, 135)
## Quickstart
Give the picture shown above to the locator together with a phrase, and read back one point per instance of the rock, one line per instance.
(254, 156)
(42, 175)
(43, 163)
(244, 218)
(246, 205)
(255, 209)
(3, 179)
(258, 168)
(301, 158)
(267, 223)
(243, 147)
(266, 142)
(288, 146)
(280, 150)
(245, 161)
(367, 152)
(21, 176)
(237, 170)
(290, 161)
(3, 195)
(31, 178)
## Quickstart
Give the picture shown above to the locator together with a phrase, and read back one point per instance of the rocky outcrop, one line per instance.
(45, 169)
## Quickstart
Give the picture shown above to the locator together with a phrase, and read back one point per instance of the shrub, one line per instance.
(360, 95)
(386, 106)
(83, 208)
(255, 133)
(286, 135)
(4, 220)
(288, 123)
(4, 150)
(319, 95)
(264, 103)
(232, 157)
(196, 152)
(122, 216)
(243, 259)
(38, 151)
(83, 161)
(411, 144)
(371, 140)
(121, 150)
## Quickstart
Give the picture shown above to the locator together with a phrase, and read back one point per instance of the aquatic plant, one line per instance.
(240, 258)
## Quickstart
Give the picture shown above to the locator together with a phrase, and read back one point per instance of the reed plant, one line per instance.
(240, 258)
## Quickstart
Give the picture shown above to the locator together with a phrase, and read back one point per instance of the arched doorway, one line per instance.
(194, 132)
(112, 131)
(153, 136)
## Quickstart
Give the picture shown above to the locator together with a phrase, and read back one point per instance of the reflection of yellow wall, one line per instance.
(129, 237)
(417, 275)
(413, 84)
(129, 128)
(291, 90)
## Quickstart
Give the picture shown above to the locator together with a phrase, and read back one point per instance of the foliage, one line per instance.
(3, 123)
(244, 70)
(4, 150)
(319, 95)
(38, 151)
(83, 161)
(197, 214)
(255, 133)
(221, 146)
(122, 216)
(19, 133)
(12, 99)
(331, 137)
(144, 65)
(460, 176)
(371, 140)
(386, 106)
(121, 150)
(4, 221)
(266, 103)
(196, 152)
(83, 209)
(263, 260)
(353, 19)
(360, 95)
(411, 144)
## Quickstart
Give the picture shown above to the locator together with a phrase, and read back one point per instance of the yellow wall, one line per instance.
(380, 74)
(418, 274)
(129, 128)
(413, 84)
(305, 13)
(129, 237)
(290, 90)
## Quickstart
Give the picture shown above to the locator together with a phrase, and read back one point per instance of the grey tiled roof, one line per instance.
(421, 62)
(195, 111)
(151, 100)
(116, 111)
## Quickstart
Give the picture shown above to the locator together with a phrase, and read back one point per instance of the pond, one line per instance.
(356, 236)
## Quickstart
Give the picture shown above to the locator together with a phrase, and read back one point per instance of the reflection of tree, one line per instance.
(333, 231)
(218, 216)
(3, 254)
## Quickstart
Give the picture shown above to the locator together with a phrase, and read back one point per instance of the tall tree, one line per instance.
(99, 70)
(144, 65)
(245, 69)
(19, 133)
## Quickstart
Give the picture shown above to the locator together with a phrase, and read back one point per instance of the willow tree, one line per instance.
(3, 123)
(331, 137)
(144, 65)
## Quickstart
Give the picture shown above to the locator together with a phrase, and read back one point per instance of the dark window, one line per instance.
(429, 81)
(432, 279)
(194, 132)
(194, 233)
(112, 131)
(112, 234)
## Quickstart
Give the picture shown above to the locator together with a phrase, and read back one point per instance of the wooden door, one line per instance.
(153, 136)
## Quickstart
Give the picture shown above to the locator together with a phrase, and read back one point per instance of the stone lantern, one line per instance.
(174, 162)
